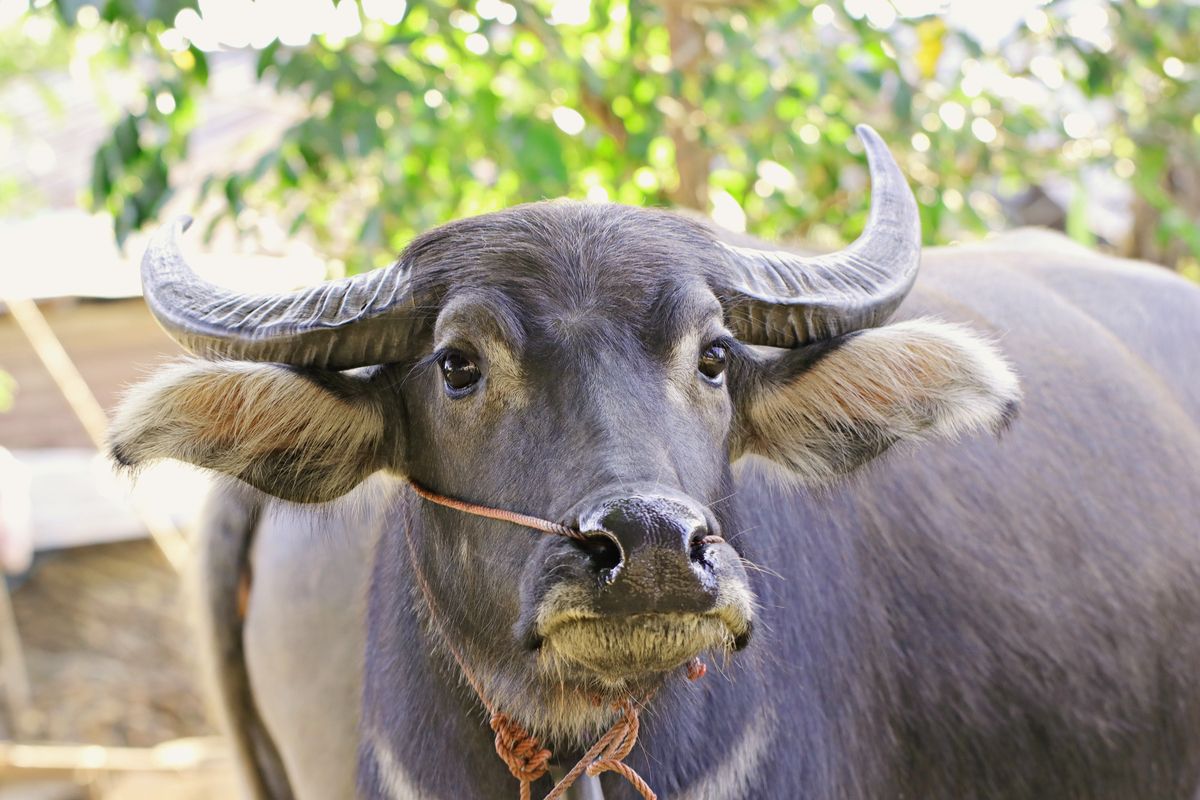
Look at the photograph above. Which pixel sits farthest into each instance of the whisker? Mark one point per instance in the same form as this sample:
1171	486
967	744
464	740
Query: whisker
742	531
748	564
726	497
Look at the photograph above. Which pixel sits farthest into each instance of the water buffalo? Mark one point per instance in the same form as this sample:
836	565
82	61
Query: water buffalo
1010	610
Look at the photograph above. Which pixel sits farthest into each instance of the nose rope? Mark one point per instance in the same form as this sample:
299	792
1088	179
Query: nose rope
524	520
520	750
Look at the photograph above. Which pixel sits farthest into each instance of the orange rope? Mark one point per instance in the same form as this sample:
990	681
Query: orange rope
522	752
527	760
607	755
524	520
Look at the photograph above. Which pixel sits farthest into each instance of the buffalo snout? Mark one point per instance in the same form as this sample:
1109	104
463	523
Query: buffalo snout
652	585
649	553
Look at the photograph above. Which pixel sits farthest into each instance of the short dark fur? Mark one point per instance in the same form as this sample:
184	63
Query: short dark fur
1015	618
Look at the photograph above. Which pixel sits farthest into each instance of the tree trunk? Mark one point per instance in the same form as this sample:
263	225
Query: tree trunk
688	52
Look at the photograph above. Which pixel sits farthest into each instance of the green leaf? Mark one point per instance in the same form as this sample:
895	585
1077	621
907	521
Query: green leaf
1077	221
126	139
101	176
200	70
266	59
233	193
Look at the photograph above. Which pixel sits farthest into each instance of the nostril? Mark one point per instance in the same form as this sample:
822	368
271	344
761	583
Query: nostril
699	538
603	549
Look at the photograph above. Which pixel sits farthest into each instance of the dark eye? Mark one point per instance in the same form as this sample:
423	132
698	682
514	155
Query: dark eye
712	361
459	372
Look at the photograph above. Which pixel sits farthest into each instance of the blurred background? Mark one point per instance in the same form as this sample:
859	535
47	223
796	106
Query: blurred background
314	138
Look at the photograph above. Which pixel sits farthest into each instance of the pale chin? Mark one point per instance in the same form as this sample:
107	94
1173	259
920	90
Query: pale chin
618	651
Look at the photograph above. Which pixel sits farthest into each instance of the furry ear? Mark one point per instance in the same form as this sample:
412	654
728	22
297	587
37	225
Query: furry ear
302	436
824	410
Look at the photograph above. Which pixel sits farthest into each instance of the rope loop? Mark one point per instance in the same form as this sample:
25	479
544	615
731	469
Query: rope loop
608	754
527	760
624	736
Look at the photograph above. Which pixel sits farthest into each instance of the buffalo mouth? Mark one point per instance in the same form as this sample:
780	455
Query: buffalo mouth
620	649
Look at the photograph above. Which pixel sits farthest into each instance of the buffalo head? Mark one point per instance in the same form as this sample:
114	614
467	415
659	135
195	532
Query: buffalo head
596	365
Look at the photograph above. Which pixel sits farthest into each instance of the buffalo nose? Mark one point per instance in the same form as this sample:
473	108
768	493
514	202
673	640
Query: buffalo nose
650	552
642	522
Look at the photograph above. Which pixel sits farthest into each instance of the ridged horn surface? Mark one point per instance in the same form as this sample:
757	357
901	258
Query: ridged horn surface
335	325
783	299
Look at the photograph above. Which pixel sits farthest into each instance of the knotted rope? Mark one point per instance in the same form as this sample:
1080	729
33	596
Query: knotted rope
527	760
608	754
521	751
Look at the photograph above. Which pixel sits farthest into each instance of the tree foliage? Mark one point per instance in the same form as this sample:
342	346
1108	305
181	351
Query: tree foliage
742	108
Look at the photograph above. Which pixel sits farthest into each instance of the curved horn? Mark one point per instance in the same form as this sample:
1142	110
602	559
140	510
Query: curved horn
335	325
784	300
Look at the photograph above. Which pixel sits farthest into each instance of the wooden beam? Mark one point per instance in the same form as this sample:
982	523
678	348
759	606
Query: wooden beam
89	412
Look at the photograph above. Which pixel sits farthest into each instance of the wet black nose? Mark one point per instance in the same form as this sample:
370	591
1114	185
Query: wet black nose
650	551
641	522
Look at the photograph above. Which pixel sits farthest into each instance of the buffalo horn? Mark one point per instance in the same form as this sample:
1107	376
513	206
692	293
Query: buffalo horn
339	324
782	299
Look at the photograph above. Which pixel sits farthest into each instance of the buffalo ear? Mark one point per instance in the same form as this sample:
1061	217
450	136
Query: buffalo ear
824	410
302	436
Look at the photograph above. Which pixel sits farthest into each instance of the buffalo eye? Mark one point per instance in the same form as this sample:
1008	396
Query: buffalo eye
712	362
458	372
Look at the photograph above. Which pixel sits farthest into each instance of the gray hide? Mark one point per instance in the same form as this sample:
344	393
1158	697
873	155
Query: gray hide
1090	499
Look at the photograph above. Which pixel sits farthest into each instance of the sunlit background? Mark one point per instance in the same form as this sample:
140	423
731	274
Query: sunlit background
312	138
